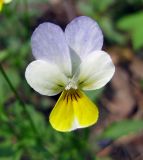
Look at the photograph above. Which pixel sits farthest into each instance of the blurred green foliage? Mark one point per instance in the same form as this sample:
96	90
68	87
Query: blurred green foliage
122	128
17	138
133	24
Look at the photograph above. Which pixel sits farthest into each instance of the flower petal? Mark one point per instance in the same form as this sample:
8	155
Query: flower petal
95	71
73	110
86	112
7	1
48	43
62	116
84	36
45	78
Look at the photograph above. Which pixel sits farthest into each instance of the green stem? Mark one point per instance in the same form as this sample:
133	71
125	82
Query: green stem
19	99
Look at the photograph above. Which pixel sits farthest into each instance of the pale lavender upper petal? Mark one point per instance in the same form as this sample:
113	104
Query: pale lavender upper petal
84	36
48	43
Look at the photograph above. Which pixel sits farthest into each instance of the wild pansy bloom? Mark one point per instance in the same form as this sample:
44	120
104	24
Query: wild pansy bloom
2	2
69	62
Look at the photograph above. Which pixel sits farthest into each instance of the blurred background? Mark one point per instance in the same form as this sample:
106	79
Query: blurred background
25	132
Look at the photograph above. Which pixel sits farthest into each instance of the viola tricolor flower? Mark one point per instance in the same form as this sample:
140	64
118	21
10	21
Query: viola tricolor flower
2	2
69	62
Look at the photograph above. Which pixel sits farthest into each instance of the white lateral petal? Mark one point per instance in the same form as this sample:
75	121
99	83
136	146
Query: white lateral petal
84	36
45	78
48	43
95	71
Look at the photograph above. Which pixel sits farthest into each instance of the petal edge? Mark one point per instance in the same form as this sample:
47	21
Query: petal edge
45	77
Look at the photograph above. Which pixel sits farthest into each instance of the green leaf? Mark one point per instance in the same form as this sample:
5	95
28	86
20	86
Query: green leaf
133	25
137	37
17	155
122	128
133	21
94	95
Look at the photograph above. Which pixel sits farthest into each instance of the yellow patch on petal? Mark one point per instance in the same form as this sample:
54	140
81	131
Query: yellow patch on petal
73	110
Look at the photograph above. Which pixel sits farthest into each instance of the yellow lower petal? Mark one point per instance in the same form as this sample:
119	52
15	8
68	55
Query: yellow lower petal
85	110
73	110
